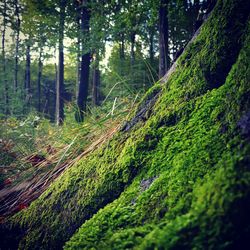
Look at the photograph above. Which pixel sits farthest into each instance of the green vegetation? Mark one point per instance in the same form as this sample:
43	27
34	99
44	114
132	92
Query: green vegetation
33	148
178	178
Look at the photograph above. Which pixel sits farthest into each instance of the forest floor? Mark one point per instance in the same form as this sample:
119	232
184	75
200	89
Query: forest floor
26	174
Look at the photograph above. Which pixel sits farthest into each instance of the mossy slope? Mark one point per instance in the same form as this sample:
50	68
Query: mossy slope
178	180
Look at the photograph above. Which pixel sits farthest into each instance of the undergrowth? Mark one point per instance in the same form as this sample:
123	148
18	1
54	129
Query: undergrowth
33	148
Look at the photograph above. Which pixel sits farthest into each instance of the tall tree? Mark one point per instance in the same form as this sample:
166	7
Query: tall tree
27	82
60	78
6	87
78	53
39	78
163	37
96	80
85	62
17	29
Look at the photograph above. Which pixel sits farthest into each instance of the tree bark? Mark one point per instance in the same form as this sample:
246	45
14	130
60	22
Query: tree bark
6	87
85	63
47	98
60	78
96	81
132	52
196	7
163	40
122	53
27	76
39	77
78	56
18	23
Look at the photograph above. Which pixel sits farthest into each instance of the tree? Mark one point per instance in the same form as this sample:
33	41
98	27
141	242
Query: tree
6	87
163	38
96	79
85	62
27	82
39	77
17	29
60	79
44	32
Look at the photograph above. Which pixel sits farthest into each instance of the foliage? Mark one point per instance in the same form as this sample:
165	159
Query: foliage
125	80
33	150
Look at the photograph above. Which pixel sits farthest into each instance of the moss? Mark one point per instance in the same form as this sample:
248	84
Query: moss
194	202
190	145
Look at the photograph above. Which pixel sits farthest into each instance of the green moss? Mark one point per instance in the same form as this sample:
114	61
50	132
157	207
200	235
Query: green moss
194	200
190	147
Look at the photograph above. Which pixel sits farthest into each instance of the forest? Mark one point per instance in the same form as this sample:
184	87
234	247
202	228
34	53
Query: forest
124	124
51	51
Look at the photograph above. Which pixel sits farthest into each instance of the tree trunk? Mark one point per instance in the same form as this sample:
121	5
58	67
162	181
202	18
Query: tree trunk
85	63
78	56
52	114
55	65
6	87
18	23
210	5
196	7
197	16
27	77
163	40
47	90
60	78
122	48
96	81
39	77
122	54
132	52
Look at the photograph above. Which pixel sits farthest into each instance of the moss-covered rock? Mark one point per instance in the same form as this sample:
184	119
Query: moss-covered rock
178	178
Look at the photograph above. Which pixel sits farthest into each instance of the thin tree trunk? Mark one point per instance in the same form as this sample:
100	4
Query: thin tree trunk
85	63
210	5
132	52
60	78
18	23
122	48
196	7
55	65
39	77
163	41
6	87
52	113
96	81
48	102
78	57
27	77
122	54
